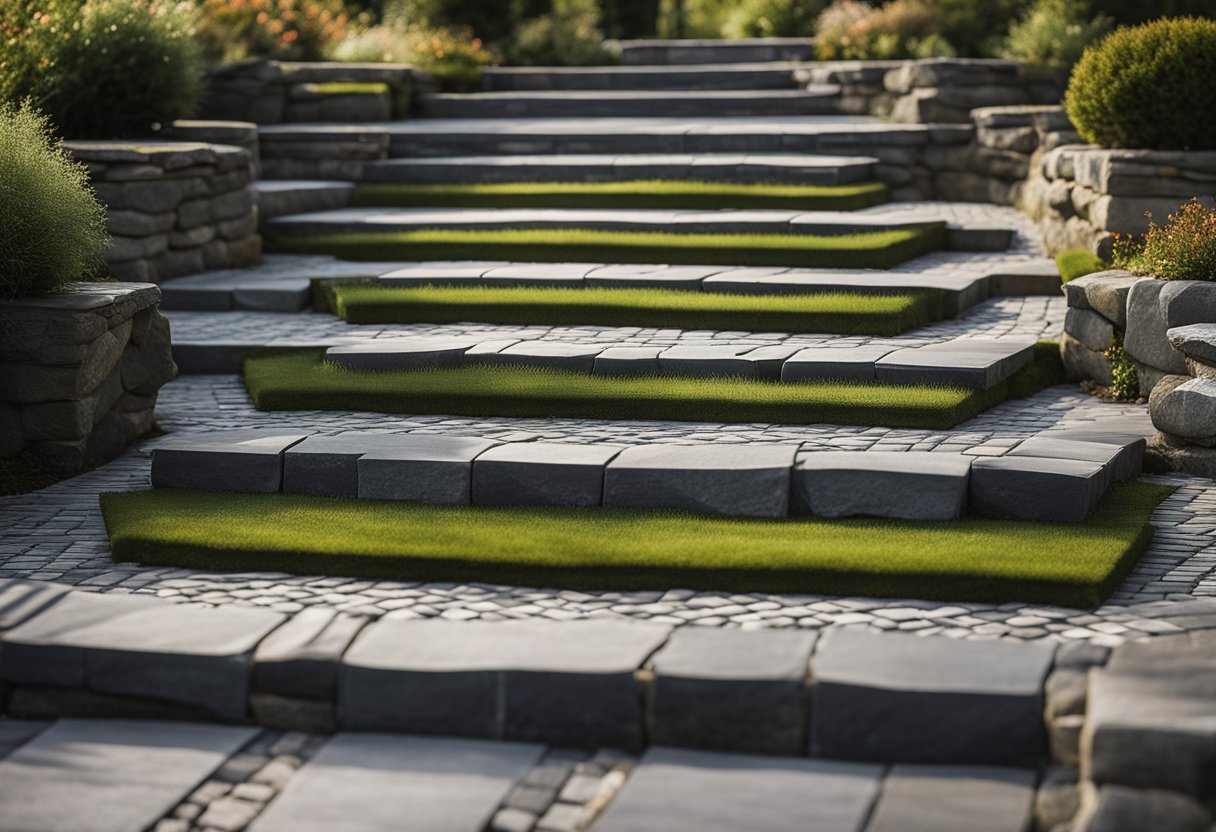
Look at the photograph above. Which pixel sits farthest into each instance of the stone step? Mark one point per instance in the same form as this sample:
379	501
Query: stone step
713	50
761	76
802	169
811	101
277	198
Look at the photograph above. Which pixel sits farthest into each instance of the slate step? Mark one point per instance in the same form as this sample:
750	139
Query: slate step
759	76
810	101
801	169
713	50
279	197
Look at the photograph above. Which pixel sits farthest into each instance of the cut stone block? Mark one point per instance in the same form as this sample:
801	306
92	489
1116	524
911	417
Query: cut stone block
539	274
1120	809
566	683
422	467
731	690
1196	341
692	791
21	600
1036	488
1122	459
904	698
964	362
916	486
551	354
542	474
1090	328
687	278
749	480
374	782
1145	339
231	460
955	799
769	360
327	466
1103	292
697	361
109	775
1132	441
1186	410
301	658
141	646
401	353
627	361
853	364
450	273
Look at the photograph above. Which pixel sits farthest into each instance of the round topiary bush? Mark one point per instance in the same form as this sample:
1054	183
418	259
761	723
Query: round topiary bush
52	229
1148	86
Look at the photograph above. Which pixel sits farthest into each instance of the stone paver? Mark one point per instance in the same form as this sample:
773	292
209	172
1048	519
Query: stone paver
881	484
954	799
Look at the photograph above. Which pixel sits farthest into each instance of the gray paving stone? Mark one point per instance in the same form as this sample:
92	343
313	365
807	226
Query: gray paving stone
852	364
1103	292
732	690
566	275
302	657
15	733
1123	461
141	646
687	278
919	798
977	363
888	697
374	782
565	683
627	361
701	361
550	354
542	474
449	273
401	353
328	466
21	600
425	468
1036	488
1128	464
247	460
749	480
676	790
1118	809
916	486
108	775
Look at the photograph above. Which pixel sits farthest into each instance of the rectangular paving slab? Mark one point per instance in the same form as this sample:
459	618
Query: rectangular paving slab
376	782
301	658
691	791
1122	461
109	775
426	468
904	698
914	486
976	363
1034	488
328	466
559	682
552	354
21	600
412	353
748	480
542	474
230	460
955	799
627	361
817	363
731	690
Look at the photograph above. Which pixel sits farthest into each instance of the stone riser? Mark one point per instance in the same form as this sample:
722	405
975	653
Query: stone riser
689	51
731	104
712	78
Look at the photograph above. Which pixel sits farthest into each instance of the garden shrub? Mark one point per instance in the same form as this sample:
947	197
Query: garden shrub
569	34
454	55
1184	248
772	18
1055	32
491	20
1127	12
304	30
104	69
850	30
1126	381
630	18
52	229
1148	86
976	28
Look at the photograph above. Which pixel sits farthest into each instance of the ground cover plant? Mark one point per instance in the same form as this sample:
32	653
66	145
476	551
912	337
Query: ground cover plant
301	379
675	194
1078	262
1183	248
977	559
875	250
838	313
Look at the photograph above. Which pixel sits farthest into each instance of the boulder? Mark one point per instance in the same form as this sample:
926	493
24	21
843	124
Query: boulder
1146	339
1186	408
1195	341
1082	363
1103	292
1090	328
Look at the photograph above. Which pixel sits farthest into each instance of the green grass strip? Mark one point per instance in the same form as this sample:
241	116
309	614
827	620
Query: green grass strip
975	559
301	379
872	250
840	313
649	193
350	88
1078	262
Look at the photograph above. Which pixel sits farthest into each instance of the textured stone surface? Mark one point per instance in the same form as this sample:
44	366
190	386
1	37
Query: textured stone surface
1145	339
1123	458
856	363
329	465
908	485
429	469
965	362
238	460
1090	328
401	353
1103	292
1035	488
954	799
542	473
1186	409
301	658
1197	341
1117	809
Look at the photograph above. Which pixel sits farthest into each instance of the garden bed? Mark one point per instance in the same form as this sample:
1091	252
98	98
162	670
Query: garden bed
976	559
301	379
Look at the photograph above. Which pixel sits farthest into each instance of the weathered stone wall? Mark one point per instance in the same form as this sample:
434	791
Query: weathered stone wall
174	208
326	152
80	371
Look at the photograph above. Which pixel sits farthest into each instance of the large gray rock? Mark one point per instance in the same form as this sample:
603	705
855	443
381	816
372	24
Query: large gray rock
1119	809
542	474
918	486
731	690
1091	329
141	646
1186	302
421	467
1145	339
692	791
1196	341
978	363
955	799
1103	292
328	466
301	658
854	363
374	782
1035	488
1083	364
750	480
230	460
562	683
109	775
903	698
1186	409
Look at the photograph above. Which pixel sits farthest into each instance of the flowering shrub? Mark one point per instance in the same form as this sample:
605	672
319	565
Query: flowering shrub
1182	249
305	30
453	54
850	30
1055	32
570	34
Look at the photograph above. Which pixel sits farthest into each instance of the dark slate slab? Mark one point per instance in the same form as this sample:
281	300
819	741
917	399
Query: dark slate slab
542	474
854	363
918	798
692	791
141	646
708	360
413	353
731	690
301	658
1036	488
230	460
555	355
376	782
1122	460
918	486
977	363
750	480
566	683
327	466
904	698
109	775
1133	442
425	468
